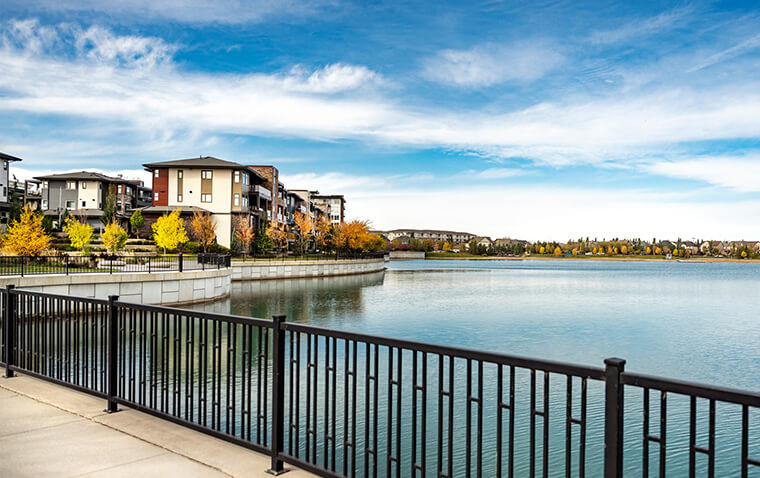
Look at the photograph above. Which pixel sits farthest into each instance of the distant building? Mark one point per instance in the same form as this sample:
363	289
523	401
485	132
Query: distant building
483	241
335	205
274	192
6	159
451	237
83	194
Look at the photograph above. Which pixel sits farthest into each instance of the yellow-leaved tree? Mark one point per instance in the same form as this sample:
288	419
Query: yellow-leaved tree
245	233
557	251
80	234
278	236
305	226
325	234
169	231
114	237
26	237
446	247
204	229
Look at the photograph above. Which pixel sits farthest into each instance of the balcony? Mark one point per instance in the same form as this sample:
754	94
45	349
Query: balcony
263	192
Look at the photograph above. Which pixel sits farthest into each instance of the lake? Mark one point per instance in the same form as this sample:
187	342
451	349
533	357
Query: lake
686	320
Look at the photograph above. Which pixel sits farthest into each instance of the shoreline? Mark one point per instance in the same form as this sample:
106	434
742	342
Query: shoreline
597	258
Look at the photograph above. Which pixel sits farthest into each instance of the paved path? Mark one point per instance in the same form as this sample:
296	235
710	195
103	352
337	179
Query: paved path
48	430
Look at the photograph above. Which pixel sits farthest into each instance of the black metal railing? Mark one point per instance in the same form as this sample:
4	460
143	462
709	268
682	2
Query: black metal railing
324	256
108	264
343	404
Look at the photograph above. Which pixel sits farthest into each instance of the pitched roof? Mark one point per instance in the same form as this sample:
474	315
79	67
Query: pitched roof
200	162
87	175
8	157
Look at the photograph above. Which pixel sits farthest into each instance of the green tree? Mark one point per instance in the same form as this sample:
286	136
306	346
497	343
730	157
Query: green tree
261	243
114	237
109	208
169	231
14	207
137	221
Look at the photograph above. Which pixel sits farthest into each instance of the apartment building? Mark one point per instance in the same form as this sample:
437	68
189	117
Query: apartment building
229	191
83	194
6	160
452	237
278	205
333	205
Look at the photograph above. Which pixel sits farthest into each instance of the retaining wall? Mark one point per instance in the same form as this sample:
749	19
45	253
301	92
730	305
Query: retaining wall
164	288
406	255
263	270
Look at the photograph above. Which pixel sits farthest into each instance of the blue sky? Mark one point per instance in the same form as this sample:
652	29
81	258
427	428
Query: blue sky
545	119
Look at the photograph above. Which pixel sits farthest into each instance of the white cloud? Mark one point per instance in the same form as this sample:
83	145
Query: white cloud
741	173
539	212
23	174
744	46
131	85
488	65
640	28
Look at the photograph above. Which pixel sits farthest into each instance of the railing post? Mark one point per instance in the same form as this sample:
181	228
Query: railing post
179	262
9	324
22	265
148	264
278	395
113	331
613	418
67	264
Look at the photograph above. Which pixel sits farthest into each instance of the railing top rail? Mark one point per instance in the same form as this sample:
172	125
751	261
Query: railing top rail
89	300
238	319
503	359
699	390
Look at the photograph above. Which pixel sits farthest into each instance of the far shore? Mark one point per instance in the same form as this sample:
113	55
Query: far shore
592	258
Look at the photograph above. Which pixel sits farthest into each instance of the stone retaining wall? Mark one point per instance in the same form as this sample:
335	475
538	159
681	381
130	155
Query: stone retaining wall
406	255
262	270
164	288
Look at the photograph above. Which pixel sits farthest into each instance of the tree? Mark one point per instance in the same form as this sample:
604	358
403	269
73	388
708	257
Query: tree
26	236
649	250
261	242
14	206
169	231
80	235
114	237
352	235
624	250
325	234
245	235
277	236
446	247
557	251
109	208
305	226
542	250
657	251
204	229
137	220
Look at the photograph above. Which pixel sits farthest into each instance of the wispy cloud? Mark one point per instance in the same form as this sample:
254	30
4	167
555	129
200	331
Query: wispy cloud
640	28
190	11
740	173
492	64
741	48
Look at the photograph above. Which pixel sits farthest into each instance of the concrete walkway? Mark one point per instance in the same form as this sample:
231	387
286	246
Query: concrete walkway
48	430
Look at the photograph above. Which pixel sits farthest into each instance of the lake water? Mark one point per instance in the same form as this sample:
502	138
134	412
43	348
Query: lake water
692	321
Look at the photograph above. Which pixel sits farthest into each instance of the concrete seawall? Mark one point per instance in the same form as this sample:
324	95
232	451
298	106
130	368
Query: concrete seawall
406	255
164	288
263	270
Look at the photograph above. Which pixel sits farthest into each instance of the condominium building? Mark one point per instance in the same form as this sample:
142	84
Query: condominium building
229	191
277	208
6	160
334	206
83	194
432	234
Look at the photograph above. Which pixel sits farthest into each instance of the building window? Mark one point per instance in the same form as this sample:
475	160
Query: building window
179	198
70	205
206	174
44	184
71	185
83	184
236	200
155	173
179	174
118	189
245	178
44	204
84	203
205	197
237	177
155	196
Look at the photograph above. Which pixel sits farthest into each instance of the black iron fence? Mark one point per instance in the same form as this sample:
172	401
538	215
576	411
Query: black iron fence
108	264
324	256
344	404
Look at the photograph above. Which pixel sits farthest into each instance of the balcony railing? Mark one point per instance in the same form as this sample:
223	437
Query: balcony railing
105	264
341	403
263	192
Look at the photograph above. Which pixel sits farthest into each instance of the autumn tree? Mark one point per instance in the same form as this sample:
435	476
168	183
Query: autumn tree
446	247
80	234
137	220
278	236
109	208
305	226
169	231
557	251
325	234
245	235
203	229
26	236
114	237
